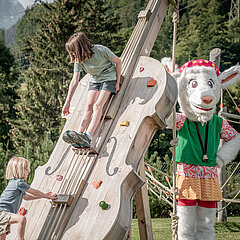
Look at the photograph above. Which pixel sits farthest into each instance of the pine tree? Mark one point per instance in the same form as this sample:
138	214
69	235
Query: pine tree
163	45
202	28
8	96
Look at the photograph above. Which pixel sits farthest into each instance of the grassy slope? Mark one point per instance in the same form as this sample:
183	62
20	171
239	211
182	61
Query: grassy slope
162	229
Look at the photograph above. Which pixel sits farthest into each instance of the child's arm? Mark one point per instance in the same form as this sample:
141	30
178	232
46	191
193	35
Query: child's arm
71	90
118	63
33	194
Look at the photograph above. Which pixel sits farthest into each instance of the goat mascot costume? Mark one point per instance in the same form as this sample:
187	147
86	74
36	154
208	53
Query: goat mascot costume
197	153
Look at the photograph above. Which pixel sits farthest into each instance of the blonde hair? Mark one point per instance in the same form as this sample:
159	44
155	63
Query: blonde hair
79	47
16	167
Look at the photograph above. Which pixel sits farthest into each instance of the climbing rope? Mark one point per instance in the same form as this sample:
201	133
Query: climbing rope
238	109
174	142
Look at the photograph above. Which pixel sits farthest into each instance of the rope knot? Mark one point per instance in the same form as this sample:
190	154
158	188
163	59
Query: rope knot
174	142
175	17
175	219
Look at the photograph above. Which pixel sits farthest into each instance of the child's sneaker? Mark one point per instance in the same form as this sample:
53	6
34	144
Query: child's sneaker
67	138
81	139
84	145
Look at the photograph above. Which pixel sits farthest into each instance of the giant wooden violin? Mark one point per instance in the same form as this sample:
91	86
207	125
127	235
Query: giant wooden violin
146	98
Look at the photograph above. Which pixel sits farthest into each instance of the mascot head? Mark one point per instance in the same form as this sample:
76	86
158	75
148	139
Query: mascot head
199	86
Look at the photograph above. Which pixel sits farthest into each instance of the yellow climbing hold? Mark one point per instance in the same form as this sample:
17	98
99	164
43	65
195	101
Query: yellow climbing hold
125	123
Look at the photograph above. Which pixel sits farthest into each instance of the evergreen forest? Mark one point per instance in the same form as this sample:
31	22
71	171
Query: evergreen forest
35	72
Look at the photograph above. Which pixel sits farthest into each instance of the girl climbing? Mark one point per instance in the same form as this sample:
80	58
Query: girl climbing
104	68
17	171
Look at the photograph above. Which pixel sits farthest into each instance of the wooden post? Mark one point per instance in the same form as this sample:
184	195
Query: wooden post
129	236
215	56
143	208
222	215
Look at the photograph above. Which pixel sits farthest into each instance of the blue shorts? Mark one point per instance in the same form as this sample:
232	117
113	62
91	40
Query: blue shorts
109	86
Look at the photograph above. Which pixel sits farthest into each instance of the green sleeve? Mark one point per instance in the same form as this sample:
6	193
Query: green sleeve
77	67
108	53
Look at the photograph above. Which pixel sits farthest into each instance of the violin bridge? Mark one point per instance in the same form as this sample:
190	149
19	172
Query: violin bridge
64	199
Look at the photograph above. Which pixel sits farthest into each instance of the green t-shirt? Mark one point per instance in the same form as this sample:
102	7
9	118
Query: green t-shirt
99	66
189	148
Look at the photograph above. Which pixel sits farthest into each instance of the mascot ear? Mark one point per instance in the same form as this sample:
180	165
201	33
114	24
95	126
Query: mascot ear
229	76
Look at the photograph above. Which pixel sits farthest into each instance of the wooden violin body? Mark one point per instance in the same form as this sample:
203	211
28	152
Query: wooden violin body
118	161
146	109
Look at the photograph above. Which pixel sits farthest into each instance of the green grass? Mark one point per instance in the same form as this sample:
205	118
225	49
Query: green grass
162	229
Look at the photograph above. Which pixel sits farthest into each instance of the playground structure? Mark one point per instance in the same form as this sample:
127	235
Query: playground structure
95	190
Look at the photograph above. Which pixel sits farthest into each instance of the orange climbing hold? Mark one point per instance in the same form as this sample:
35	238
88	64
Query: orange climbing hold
151	82
149	169
97	184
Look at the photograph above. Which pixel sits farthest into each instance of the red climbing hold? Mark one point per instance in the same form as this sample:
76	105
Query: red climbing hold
22	211
59	177
141	69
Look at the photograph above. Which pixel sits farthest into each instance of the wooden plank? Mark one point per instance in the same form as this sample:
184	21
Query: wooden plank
143	209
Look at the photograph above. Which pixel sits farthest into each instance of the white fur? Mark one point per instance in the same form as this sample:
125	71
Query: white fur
206	218
187	222
228	151
190	97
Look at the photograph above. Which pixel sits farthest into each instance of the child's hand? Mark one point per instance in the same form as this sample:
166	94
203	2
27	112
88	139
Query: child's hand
52	196
65	110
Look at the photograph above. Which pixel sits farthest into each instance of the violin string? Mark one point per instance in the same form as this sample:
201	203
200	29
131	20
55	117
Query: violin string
49	221
52	224
59	221
79	159
80	178
77	172
66	178
69	173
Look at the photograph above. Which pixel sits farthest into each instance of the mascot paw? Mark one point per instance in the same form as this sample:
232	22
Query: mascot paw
220	162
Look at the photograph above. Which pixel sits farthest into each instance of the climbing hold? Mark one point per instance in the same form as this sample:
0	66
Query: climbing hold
22	211
97	184
124	123
151	82
103	205
167	179
141	69
150	170
59	177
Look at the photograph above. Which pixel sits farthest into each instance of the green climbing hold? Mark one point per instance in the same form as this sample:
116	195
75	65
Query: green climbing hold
103	205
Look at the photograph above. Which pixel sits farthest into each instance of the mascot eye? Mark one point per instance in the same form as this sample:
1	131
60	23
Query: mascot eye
193	83
210	83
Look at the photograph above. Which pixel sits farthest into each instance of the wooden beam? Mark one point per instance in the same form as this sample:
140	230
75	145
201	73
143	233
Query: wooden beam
143	209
